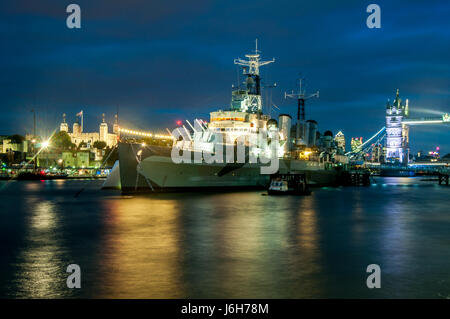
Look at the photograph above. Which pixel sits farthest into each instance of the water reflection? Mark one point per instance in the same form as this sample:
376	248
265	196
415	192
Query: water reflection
247	250
140	256
40	270
225	245
308	253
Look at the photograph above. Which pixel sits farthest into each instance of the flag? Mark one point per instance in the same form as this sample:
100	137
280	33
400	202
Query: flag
80	114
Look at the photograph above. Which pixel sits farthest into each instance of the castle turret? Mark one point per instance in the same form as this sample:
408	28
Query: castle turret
64	126
76	128
398	100
406	108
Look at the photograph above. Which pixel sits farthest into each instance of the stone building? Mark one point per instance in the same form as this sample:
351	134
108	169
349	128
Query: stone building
89	138
339	138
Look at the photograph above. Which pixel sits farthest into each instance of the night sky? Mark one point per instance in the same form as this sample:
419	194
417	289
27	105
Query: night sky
161	61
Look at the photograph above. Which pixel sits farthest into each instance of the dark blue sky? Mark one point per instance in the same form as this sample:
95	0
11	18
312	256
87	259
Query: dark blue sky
160	61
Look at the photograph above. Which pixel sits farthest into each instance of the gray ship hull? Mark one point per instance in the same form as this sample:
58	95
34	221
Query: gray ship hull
151	169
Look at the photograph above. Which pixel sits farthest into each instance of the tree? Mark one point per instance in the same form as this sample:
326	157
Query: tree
447	156
61	141
99	145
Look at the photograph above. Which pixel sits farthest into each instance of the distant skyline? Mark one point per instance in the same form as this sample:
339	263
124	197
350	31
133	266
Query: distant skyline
159	62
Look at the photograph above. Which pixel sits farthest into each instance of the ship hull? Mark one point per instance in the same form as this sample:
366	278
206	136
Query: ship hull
151	169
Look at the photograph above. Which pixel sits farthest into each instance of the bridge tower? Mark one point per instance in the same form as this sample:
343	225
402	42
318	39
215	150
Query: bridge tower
397	133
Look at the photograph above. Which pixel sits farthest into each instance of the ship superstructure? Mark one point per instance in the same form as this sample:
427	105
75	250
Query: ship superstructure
243	120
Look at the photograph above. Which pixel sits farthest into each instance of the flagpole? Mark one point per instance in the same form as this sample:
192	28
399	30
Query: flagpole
82	116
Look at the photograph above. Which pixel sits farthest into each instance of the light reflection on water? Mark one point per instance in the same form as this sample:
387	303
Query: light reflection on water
40	264
140	254
225	244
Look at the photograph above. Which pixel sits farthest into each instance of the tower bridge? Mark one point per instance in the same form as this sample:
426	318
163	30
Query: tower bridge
396	132
397	129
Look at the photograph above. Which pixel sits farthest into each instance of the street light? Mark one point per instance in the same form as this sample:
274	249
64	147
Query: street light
61	164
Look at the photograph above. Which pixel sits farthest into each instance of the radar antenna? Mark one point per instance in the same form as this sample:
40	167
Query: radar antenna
251	67
253	63
301	97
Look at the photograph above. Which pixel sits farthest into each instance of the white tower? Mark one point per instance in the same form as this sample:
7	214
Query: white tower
64	126
76	129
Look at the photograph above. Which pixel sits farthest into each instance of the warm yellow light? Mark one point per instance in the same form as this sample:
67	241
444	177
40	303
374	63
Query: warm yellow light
45	144
146	134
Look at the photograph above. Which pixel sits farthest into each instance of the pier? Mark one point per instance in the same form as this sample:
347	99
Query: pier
355	178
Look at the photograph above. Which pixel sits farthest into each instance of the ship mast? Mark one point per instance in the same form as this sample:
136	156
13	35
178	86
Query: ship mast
251	70
301	97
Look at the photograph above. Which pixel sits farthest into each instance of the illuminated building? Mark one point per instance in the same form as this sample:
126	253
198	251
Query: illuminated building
377	153
434	154
356	143
79	159
79	137
339	138
7	145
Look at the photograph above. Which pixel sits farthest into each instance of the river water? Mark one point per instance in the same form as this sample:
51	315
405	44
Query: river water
225	245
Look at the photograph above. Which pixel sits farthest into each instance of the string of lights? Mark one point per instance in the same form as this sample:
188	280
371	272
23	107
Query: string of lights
144	134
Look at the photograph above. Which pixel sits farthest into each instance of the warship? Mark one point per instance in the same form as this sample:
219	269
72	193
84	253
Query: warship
153	168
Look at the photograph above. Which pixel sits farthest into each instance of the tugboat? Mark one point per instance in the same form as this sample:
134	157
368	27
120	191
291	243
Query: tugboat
289	184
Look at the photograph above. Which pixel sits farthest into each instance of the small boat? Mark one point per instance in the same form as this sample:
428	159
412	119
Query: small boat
288	184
